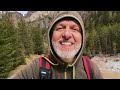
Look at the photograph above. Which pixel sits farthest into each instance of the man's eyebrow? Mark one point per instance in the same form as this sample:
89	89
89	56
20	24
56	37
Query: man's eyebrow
60	24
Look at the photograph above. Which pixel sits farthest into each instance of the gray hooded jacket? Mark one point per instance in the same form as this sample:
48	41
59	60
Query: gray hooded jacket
61	70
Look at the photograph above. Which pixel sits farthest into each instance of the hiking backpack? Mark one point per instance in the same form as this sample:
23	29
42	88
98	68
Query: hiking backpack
45	71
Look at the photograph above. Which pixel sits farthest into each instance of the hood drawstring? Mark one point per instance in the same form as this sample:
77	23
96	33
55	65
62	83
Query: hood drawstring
65	73
73	72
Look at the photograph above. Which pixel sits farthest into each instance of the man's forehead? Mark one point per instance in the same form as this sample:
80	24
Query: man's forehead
67	19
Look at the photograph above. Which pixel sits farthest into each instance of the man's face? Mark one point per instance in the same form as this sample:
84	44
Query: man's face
67	40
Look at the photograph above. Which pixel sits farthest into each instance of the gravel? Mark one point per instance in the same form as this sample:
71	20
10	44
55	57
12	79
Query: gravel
108	62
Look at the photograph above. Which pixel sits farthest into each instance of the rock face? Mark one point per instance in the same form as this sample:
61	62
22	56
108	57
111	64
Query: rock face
32	16
40	18
16	17
43	18
29	13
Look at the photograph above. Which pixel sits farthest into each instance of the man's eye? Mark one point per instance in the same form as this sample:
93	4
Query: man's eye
75	29
59	28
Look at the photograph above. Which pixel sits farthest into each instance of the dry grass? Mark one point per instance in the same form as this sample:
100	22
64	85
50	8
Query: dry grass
20	67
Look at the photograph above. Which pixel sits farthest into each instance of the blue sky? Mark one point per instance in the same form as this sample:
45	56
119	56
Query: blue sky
23	12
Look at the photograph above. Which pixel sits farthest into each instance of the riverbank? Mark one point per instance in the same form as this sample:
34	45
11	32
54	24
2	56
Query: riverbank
109	65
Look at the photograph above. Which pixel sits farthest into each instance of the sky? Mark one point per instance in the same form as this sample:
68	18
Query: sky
22	12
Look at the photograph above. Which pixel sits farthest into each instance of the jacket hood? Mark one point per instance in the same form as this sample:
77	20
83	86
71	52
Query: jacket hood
61	15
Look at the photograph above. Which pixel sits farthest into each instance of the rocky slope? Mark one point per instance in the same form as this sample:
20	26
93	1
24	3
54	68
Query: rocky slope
111	63
41	18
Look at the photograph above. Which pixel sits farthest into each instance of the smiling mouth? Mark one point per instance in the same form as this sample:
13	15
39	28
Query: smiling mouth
66	43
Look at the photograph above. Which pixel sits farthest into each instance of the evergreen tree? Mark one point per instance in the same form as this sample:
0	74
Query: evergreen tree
10	52
37	40
24	33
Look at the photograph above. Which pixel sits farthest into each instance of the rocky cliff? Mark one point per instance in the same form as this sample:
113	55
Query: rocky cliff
41	18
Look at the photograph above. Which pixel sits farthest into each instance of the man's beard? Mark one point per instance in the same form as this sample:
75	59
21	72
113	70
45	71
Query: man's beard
67	55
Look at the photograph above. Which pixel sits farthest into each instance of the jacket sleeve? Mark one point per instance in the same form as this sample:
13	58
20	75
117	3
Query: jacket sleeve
31	71
97	72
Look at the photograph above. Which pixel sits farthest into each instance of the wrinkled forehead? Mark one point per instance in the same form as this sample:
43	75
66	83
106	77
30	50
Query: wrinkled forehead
67	19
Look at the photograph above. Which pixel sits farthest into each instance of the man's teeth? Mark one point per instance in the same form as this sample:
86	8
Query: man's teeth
66	43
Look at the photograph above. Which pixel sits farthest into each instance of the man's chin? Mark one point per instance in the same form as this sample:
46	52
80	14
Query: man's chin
66	55
67	60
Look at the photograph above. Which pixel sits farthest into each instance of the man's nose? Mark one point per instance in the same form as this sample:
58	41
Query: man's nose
67	33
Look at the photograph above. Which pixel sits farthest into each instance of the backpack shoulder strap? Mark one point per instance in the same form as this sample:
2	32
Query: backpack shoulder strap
88	67
45	70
